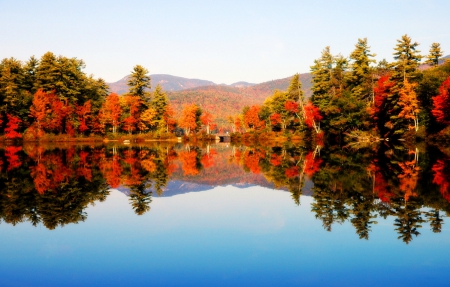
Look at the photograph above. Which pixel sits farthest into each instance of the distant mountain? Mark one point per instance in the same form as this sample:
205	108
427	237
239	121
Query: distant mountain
242	85
167	82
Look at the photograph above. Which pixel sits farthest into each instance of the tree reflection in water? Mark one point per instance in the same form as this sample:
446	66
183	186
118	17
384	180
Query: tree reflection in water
54	185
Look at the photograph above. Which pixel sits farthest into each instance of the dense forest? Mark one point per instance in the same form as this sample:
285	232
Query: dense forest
351	97
363	100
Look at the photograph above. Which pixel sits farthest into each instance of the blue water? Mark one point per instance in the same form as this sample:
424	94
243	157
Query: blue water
221	237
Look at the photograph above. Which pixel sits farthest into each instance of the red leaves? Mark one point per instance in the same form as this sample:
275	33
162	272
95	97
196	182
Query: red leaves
275	159
12	157
84	114
111	110
441	177
291	106
11	127
312	164
275	119
441	104
381	92
312	115
292	171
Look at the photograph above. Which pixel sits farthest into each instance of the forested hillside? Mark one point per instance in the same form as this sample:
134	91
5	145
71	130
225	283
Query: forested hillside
223	101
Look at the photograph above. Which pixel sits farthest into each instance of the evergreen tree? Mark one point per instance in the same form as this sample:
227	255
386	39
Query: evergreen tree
159	103
294	91
406	67
435	54
139	82
361	79
11	77
29	78
407	60
322	78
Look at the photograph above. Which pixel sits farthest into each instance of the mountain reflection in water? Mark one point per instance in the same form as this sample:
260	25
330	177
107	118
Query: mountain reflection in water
54	185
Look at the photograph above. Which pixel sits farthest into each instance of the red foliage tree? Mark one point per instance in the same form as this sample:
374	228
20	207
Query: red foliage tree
312	116
207	120
275	159
112	111
84	114
12	126
12	157
292	171
291	107
440	169
275	119
311	164
441	104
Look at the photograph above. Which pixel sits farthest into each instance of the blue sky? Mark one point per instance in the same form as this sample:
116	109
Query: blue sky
221	41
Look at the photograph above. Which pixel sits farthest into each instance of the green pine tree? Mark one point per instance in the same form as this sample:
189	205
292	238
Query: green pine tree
435	54
139	83
361	79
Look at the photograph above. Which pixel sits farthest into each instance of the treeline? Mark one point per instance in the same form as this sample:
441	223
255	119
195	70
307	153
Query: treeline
53	96
362	99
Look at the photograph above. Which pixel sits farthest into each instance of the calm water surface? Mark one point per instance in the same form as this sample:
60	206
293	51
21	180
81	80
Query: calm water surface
224	216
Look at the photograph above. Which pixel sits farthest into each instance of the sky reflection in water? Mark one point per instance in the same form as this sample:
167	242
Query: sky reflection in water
221	237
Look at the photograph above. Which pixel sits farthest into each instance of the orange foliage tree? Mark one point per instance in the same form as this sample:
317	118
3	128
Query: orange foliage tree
38	109
189	162
251	118
409	104
111	111
189	118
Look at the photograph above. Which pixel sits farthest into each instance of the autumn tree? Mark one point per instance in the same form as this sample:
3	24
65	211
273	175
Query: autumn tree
39	109
251	118
84	116
131	112
12	127
207	120
441	104
112	110
404	70
190	118
409	105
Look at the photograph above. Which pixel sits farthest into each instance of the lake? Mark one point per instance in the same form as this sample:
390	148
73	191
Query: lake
223	215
